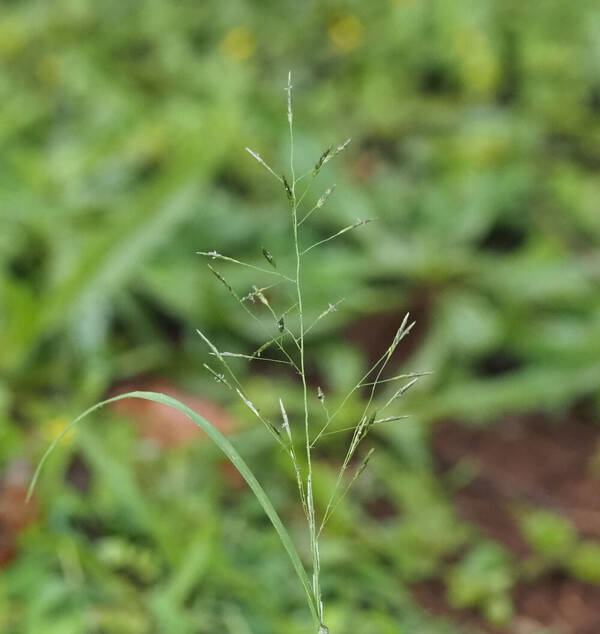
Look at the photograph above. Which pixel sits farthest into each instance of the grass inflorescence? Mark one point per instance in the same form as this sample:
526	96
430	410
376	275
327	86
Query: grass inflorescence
291	344
285	344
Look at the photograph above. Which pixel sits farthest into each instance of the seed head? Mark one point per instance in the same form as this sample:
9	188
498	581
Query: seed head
322	160
220	278
256	155
259	294
269	257
341	147
287	188
323	199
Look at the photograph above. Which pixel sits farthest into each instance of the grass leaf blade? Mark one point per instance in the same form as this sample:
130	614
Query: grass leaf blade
232	454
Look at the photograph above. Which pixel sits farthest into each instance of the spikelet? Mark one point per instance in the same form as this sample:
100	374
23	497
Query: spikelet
221	279
286	186
269	257
322	160
323	199
257	156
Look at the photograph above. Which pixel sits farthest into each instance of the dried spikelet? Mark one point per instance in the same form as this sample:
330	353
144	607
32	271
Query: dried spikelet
281	324
259	294
253	294
286	422
323	199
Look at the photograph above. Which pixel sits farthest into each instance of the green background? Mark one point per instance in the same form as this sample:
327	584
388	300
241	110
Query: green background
475	132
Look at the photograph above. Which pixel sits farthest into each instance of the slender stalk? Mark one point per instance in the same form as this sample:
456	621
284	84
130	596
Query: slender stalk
358	223
314	546
371	379
218	256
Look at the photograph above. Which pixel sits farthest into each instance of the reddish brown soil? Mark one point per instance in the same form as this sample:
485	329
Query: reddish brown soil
374	333
525	461
167	427
162	424
15	513
533	461
552	604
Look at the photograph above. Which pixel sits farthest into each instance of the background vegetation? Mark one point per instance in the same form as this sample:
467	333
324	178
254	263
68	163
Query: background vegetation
476	141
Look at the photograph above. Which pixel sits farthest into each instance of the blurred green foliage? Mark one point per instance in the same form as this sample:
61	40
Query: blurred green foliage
551	536
483	578
476	142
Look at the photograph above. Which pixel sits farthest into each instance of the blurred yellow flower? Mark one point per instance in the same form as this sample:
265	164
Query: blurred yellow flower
479	66
55	426
238	44
346	33
12	38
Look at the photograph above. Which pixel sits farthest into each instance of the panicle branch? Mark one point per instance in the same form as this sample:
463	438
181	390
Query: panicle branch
259	158
358	223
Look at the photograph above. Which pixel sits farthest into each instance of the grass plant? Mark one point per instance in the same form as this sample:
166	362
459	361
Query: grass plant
286	334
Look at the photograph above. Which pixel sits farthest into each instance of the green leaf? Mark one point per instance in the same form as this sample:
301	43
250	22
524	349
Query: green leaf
103	267
229	450
552	536
482	578
585	562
